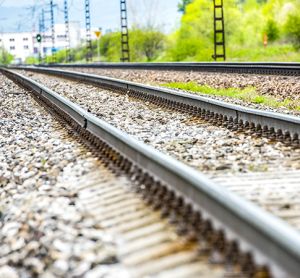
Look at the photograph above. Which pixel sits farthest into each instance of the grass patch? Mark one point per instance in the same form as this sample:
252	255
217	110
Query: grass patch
248	94
274	52
258	168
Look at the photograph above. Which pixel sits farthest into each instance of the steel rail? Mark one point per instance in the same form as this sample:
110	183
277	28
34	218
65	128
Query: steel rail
292	69
270	239
284	126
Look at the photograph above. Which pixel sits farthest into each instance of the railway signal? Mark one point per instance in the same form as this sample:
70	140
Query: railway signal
38	38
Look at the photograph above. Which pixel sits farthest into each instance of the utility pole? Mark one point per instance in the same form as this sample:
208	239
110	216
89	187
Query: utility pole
124	32
43	31
67	30
89	54
43	21
219	31
52	32
40	43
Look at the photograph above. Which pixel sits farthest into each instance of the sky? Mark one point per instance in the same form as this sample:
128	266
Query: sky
22	15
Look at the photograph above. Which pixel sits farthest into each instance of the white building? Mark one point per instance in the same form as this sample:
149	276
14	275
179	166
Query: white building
23	45
20	45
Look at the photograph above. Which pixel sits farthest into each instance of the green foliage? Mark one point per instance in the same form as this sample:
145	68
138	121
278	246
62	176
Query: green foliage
204	89
31	60
292	29
246	22
276	52
60	56
110	47
146	44
5	57
77	54
182	5
272	30
195	35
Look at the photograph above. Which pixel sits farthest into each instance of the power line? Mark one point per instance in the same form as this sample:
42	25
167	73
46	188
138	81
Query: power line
74	6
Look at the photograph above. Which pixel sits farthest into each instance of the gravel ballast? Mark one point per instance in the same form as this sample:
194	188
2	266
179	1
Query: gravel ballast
63	214
206	147
221	154
44	229
279	87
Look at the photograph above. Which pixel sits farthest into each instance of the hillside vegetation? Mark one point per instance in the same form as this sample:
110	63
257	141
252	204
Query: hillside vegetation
246	22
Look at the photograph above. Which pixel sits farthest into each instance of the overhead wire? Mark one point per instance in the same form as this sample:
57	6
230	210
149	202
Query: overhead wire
74	6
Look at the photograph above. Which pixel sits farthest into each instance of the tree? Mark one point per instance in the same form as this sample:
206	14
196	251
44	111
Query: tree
110	47
272	30
182	5
146	44
31	60
153	44
292	29
5	57
194	39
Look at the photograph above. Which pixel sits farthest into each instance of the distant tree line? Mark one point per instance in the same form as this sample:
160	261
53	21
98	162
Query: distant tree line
146	44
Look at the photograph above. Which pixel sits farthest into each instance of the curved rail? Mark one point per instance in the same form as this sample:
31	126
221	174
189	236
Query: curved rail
292	69
270	240
274	125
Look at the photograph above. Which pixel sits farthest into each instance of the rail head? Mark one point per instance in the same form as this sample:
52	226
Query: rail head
273	68
271	240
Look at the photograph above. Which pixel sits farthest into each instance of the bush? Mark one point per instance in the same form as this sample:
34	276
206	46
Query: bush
31	60
272	30
5	57
292	29
146	44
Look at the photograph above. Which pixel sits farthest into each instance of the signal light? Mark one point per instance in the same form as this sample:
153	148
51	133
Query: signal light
38	38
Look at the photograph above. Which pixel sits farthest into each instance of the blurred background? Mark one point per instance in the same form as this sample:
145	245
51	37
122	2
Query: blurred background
169	30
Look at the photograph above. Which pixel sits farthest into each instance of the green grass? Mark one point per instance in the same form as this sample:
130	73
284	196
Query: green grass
272	53
248	94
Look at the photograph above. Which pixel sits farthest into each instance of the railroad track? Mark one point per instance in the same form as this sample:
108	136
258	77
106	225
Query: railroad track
229	217
291	69
276	126
280	195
